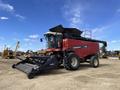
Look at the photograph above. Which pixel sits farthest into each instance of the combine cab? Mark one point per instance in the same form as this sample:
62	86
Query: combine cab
65	46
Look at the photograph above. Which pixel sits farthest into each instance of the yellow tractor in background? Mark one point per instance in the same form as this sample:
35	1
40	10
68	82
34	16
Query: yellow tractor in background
10	54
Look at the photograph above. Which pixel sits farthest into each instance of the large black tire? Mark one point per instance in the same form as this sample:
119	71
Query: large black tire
59	64
72	62
94	61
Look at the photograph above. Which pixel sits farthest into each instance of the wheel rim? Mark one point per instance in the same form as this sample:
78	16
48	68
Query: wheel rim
95	62
74	61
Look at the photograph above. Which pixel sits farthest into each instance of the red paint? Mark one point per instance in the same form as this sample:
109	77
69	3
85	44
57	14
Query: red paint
88	48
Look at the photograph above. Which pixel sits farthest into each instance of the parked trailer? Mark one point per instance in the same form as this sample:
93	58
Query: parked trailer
65	46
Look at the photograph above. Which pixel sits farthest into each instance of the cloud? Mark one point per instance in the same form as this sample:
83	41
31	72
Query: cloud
27	39
99	29
115	41
72	13
6	7
9	8
75	18
4	18
28	44
99	32
20	16
34	36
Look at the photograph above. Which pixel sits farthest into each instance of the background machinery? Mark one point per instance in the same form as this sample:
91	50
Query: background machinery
9	54
115	53
65	46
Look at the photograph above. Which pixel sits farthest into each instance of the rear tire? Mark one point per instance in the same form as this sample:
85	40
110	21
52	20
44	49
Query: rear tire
72	62
94	61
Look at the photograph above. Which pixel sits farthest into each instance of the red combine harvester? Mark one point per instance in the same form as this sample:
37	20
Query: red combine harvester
66	46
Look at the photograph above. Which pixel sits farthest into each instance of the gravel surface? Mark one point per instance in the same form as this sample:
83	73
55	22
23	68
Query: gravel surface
106	77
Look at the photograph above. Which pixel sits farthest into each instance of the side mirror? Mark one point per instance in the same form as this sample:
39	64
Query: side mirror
41	40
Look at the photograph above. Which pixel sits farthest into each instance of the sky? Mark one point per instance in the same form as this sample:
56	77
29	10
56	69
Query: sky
27	20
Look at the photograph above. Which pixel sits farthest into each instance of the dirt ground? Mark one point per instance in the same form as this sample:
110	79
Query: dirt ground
106	77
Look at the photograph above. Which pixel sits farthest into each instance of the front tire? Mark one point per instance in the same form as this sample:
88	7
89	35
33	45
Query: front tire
94	61
72	62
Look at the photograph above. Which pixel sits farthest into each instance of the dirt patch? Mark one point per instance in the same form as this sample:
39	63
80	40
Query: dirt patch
84	79
106	77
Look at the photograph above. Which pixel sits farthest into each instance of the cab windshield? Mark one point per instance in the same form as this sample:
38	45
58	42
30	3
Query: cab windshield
53	41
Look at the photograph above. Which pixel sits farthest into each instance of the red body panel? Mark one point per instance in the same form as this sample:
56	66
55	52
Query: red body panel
80	47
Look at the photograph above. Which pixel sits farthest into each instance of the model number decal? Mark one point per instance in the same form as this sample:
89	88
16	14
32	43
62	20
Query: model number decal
76	47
